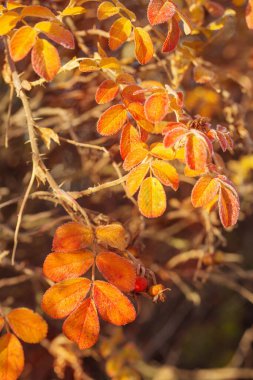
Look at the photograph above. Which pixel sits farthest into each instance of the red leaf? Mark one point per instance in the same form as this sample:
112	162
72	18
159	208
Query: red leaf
228	207
172	38
160	11
129	140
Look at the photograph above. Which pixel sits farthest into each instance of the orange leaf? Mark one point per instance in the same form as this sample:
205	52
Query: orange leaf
151	198
196	153
134	158
73	11
158	150
45	59
8	21
56	33
22	42
160	11
82	325
156	107
106	92
132	94
72	236
113	235
129	140
137	111
106	10
117	270
119	32
88	65
2	323
172	38
135	178
112	120
112	305
61	266
204	191
61	299
249	14
27	325
144	49
228	207
125	78
174	135
166	173
11	357
37	11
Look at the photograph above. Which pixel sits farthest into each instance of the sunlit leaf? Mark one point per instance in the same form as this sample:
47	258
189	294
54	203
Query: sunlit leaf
61	266
110	63
166	173
106	10
2	323
119	32
56	33
72	236
112	120
160	11
228	207
132	93
113	235
249	14
129	140
82	325
11	357
174	135
73	11
204	191
27	325
117	270
144	49
22	42
137	111
172	37
158	150
45	59
88	65
106	92
134	158
156	107
196	153
8	21
37	11
135	178
151	198
61	299
112	305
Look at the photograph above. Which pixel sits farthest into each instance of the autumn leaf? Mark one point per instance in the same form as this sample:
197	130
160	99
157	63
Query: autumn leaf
166	173
117	270
119	32
62	266
156	107
73	11
134	158
228	207
204	191
151	198
48	135
106	10
88	65
37	11
137	111
11	357
106	92
249	14
113	235
172	37
196	153
82	325
22	42
56	33
8	21
173	135
158	150
144	49
135	178
2	323
61	299
129	140
131	94
27	325
112	120
72	236
45	59
113	306
160	11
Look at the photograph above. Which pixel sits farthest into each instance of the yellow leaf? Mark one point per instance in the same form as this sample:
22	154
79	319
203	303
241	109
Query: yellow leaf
151	198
